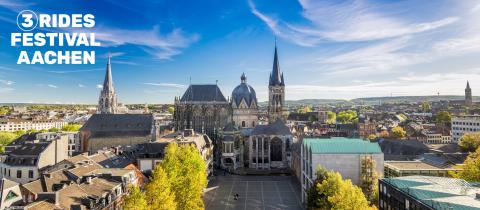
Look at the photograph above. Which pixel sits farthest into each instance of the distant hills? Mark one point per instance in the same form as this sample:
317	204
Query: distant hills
316	102
375	100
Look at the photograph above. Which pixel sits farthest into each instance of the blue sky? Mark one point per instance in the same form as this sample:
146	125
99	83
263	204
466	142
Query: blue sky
327	49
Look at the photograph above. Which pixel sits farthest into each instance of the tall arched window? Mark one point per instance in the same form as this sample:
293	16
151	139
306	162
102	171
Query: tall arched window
243	123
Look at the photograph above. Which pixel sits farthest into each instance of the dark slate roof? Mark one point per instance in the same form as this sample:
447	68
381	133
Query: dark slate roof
26	155
230	127
244	91
30	149
101	125
151	148
203	93
276	128
276	77
24	138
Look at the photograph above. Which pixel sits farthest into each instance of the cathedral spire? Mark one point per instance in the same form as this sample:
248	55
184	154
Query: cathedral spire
276	77
108	82
107	102
468	86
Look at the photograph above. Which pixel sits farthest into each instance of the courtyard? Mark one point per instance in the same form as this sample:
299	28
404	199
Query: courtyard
254	192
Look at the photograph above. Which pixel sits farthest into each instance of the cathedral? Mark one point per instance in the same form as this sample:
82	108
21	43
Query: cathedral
244	143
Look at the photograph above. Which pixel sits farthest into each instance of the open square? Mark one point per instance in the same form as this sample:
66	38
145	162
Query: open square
254	192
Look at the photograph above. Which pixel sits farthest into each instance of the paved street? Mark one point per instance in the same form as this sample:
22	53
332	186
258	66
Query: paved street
255	192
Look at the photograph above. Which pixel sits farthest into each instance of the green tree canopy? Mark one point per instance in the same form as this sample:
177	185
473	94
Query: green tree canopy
425	106
305	109
398	133
330	191
53	130
470	169
372	137
158	193
72	127
348	116
443	117
187	175
6	138
469	142
135	200
332	117
171	109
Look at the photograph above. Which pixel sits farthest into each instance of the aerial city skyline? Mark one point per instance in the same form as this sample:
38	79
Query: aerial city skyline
325	55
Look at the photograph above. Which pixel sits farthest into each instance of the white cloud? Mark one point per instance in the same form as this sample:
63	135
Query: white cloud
353	20
99	86
171	85
7	82
161	46
81	86
52	86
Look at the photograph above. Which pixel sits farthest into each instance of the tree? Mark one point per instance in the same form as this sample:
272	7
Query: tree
53	130
5	139
371	137
158	192
425	106
348	116
135	200
443	120
332	192
72	127
171	109
187	175
470	170
398	133
369	179
443	117
469	142
305	109
384	134
332	117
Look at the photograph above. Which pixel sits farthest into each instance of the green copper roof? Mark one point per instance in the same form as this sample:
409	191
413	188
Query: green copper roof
340	145
438	192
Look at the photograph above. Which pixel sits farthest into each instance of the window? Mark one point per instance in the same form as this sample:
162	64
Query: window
30	174
19	174
253	123
243	123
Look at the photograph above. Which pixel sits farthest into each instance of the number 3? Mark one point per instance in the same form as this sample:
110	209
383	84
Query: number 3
28	20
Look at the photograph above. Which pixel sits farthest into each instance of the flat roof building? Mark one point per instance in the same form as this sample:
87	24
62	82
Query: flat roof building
426	192
343	155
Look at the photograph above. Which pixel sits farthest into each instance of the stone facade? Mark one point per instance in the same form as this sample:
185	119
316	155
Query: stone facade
276	92
202	108
244	105
468	95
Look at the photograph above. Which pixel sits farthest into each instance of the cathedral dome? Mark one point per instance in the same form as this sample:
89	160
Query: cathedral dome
244	92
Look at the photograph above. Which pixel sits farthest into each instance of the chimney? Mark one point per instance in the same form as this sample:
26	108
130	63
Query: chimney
89	179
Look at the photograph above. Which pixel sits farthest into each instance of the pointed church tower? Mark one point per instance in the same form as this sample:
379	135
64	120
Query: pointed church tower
276	91
107	102
468	95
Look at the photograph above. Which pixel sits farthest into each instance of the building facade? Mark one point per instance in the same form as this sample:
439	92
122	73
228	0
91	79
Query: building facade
342	155
104	131
24	163
464	124
202	108
12	125
244	105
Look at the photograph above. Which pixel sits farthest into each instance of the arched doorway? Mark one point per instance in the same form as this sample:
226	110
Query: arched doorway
276	149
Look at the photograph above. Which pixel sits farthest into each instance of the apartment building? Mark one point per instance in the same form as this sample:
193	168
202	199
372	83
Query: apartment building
12	125
464	124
